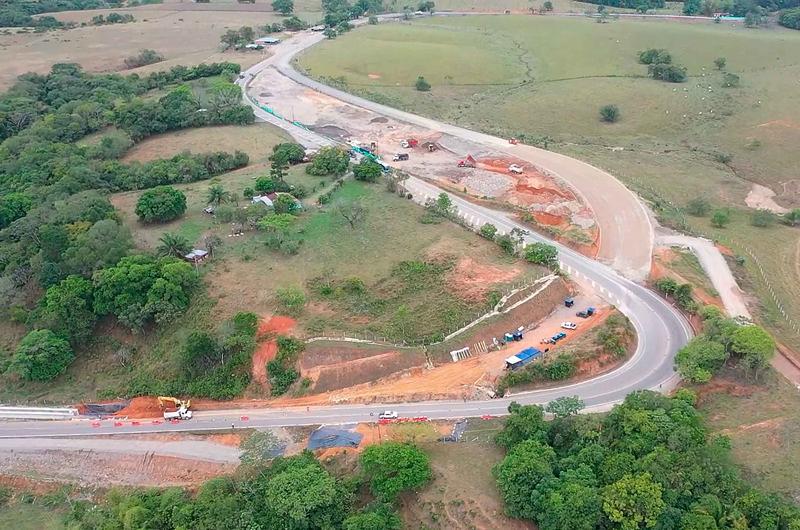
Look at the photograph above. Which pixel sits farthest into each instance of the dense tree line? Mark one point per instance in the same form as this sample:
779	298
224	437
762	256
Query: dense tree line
723	338
35	95
790	18
55	219
137	291
18	13
60	239
338	12
631	4
294	493
650	463
111	18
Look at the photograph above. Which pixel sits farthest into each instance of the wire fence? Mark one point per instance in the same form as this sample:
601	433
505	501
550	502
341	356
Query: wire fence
727	241
371	337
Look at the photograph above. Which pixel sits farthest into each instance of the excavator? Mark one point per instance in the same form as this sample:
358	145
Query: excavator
182	412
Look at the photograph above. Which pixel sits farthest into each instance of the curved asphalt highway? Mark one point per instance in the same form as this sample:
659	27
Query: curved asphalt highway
660	329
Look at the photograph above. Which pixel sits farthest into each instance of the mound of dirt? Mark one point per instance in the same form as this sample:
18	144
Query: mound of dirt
141	407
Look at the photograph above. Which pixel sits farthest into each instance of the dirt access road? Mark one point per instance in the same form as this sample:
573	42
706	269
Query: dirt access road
626	234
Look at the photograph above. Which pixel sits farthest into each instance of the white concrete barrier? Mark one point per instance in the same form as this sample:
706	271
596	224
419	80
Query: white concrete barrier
37	413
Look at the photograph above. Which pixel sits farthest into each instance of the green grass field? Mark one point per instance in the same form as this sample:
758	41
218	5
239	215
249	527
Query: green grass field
762	422
29	517
245	275
548	76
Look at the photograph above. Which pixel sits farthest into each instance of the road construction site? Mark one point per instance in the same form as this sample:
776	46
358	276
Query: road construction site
578	197
435	156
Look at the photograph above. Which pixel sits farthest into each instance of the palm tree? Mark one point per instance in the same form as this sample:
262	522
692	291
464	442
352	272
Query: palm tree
217	194
173	245
212	241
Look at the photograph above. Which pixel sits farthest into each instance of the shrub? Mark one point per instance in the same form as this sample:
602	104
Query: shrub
281	369
290	152
720	218
42	356
762	218
291	299
730	80
655	56
160	204
143	58
542	254
609	113
367	170
488	231
329	161
507	243
246	323
294	24
394	467
422	85
5	495
284	7
668	72
698	207
723	158
720	62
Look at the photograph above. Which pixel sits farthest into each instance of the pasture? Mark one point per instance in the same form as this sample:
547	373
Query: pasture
547	77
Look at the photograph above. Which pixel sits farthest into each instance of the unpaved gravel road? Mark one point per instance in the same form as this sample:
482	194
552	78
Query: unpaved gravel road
715	267
626	234
189	449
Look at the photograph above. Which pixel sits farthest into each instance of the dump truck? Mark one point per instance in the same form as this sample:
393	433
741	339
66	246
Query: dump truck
522	358
467	162
586	313
182	411
180	414
410	143
399	157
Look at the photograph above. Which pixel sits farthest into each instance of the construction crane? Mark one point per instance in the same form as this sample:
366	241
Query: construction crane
182	412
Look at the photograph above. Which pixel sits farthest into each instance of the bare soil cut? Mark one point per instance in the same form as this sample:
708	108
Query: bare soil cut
267	350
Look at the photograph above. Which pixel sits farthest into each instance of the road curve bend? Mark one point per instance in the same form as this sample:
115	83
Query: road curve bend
625	227
661	330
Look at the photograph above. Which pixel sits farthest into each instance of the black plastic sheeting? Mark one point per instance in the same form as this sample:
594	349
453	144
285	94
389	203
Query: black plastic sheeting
341	436
458	431
105	408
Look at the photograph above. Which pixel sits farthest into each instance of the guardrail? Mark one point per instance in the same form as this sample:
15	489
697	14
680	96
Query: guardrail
37	413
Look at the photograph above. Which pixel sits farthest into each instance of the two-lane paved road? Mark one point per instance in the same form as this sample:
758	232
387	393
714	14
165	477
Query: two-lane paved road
660	329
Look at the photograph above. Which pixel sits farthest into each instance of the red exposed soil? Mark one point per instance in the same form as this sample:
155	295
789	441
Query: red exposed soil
471	280
334	366
28	485
548	219
660	269
723	386
725	250
267	350
597	365
141	407
347	374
